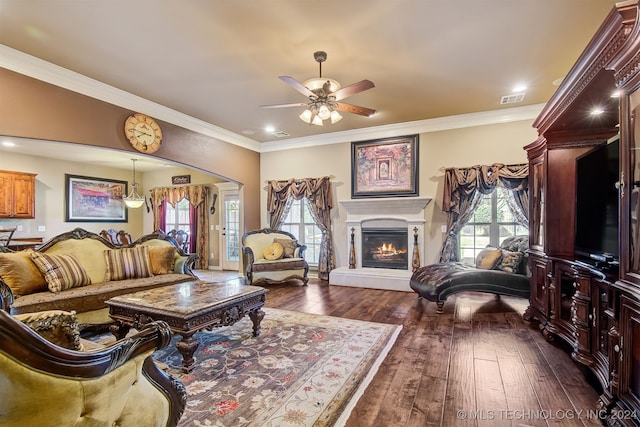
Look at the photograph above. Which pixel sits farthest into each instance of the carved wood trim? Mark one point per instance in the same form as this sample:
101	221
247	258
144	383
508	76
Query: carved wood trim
596	58
170	386
20	342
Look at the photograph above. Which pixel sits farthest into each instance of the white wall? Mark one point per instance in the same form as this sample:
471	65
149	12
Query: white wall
499	143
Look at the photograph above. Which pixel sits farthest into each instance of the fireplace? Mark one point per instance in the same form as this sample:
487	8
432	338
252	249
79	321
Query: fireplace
380	215
384	248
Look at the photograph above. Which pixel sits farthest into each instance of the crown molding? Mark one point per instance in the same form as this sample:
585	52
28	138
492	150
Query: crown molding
529	112
37	68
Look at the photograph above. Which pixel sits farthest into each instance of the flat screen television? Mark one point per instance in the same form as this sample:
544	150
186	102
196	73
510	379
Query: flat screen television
597	175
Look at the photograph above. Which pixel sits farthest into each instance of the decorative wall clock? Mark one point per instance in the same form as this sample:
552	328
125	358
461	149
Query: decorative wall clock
143	133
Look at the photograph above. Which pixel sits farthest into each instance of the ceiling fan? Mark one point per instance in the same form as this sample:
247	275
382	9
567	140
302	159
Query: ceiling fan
324	96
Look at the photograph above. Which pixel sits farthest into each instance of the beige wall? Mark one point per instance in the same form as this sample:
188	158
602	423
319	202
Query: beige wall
500	143
50	196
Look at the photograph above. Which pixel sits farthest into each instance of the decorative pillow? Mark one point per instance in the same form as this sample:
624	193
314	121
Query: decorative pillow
273	251
20	273
61	271
288	245
488	258
128	263
162	259
56	326
510	261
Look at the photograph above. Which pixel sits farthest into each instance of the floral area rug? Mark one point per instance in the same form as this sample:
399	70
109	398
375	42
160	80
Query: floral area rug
303	370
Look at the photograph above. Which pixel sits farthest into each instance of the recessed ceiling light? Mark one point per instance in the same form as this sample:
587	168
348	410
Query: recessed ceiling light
519	88
616	94
557	82
8	144
269	129
596	111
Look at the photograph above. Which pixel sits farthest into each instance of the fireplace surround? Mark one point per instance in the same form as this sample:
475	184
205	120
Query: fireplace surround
381	214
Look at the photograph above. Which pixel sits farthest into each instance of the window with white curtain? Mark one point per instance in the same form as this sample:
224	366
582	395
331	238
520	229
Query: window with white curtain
177	218
491	223
300	223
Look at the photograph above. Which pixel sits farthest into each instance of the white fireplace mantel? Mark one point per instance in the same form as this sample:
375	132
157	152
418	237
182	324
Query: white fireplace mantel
397	206
397	211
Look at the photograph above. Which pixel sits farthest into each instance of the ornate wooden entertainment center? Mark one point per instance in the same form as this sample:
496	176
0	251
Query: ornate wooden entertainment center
594	307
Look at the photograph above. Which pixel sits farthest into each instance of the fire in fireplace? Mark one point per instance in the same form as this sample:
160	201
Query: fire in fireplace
385	248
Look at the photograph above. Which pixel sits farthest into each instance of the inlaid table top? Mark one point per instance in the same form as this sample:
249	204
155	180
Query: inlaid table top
187	308
187	298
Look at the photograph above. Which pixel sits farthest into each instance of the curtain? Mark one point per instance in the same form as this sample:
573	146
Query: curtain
198	196
280	195
463	189
159	216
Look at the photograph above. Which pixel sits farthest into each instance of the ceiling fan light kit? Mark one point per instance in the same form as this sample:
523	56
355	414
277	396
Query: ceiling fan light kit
324	97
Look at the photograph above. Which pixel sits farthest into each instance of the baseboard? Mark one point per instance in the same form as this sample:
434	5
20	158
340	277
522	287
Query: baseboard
372	278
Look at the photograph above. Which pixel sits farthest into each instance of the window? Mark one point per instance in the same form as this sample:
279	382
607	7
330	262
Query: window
177	218
300	223
232	227
491	223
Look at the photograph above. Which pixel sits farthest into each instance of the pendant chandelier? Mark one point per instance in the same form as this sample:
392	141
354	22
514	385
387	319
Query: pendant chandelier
134	200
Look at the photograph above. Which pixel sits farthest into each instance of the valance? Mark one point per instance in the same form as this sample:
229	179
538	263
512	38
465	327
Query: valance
459	182
196	194
316	190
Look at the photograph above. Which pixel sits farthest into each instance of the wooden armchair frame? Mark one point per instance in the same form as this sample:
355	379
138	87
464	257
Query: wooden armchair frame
24	345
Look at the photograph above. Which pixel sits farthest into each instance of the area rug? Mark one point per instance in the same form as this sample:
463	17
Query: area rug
303	370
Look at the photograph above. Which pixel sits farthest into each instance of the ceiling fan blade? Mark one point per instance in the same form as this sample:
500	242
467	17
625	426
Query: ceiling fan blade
353	89
355	109
297	85
295	104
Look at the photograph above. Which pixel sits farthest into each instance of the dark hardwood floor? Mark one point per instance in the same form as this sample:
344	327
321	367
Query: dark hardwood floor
477	364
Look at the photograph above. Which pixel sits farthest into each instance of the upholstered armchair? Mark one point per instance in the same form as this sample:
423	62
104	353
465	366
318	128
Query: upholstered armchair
273	256
50	378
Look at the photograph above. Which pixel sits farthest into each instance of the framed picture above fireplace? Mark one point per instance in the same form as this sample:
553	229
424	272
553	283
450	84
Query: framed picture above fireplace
385	167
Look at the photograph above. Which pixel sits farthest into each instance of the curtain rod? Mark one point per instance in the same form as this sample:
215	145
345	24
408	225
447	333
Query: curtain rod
444	169
296	179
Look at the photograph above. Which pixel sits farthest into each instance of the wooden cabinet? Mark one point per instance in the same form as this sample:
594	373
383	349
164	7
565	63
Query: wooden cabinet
593	307
539	299
627	407
17	194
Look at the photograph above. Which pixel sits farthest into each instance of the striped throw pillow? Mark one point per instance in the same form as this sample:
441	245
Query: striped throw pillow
128	263
61	271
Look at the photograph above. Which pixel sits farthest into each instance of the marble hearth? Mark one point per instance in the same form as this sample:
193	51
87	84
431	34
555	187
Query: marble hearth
390	212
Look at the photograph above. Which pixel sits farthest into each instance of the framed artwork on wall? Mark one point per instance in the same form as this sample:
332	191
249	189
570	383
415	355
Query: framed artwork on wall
89	199
385	167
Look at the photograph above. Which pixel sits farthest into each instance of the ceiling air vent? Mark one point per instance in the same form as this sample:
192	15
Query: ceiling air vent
280	134
510	99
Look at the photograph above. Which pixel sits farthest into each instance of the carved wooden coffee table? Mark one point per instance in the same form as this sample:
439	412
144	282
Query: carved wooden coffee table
187	308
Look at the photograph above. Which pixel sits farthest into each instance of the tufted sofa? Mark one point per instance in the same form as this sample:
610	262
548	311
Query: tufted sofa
273	256
501	271
51	380
79	270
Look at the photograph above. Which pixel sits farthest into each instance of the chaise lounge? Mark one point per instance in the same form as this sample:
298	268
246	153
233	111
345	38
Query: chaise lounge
501	271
